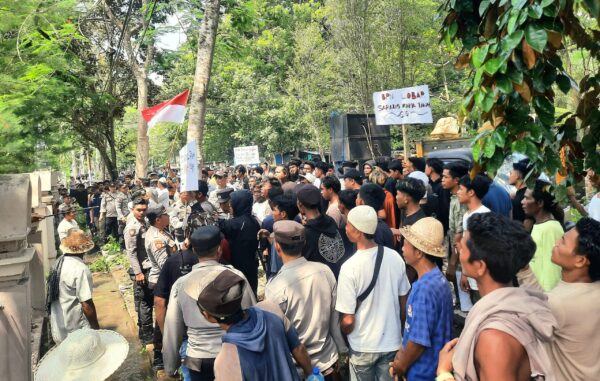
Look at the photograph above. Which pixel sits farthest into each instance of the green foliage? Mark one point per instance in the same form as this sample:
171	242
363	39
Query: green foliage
517	51
111	257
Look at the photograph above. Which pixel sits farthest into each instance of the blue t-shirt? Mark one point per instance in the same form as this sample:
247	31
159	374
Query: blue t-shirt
498	200
429	317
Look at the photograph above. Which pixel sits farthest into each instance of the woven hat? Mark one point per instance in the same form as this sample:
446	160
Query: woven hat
76	242
86	354
427	235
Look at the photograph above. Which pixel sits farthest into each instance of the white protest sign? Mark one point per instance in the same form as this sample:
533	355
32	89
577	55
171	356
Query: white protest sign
246	155
403	106
188	164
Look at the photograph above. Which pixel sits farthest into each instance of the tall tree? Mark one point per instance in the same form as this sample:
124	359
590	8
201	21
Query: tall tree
135	27
206	46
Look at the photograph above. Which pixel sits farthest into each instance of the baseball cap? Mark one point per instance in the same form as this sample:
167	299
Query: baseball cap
309	195
288	232
222	297
206	238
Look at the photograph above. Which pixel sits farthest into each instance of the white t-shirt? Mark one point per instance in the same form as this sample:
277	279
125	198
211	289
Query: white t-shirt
466	216
377	322
64	226
481	209
76	285
593	207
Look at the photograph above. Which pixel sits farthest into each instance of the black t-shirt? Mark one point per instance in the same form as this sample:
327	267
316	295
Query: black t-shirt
518	214
175	267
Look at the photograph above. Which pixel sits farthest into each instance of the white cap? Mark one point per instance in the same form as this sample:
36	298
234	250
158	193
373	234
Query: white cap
162	180
420	176
310	177
363	218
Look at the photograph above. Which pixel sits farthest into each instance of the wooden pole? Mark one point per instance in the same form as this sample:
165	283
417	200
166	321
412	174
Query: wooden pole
405	138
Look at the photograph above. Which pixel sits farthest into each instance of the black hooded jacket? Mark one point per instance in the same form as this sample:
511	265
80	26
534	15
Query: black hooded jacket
240	232
324	243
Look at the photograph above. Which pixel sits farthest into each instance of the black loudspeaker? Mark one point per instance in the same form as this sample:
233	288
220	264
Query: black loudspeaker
349	137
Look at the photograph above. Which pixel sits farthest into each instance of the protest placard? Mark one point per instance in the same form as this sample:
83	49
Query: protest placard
403	106
246	155
188	162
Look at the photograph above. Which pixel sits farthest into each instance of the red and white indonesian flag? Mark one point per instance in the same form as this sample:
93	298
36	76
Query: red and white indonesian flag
172	111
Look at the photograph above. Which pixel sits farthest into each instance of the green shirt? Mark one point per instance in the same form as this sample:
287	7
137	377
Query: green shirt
545	236
455	219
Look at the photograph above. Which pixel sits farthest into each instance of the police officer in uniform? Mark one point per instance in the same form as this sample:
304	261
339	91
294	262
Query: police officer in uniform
108	211
135	232
183	317
223	197
179	214
122	202
159	246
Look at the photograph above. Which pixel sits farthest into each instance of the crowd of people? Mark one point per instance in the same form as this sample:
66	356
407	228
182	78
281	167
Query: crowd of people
366	269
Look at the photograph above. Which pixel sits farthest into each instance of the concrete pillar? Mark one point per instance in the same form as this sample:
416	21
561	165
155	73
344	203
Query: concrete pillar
15	294
36	266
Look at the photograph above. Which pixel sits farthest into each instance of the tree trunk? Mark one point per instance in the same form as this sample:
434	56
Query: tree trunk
206	43
143	145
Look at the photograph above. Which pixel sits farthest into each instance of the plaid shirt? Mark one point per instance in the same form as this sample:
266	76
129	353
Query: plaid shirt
429	316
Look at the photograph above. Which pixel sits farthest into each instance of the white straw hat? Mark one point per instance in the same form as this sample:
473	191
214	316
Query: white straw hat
85	355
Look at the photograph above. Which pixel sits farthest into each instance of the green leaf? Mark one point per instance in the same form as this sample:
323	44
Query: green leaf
519	146
492	165
518	4
512	41
478	77
492	66
539	85
588	142
478	55
504	84
477	150
551	10
512	21
515	75
593	7
489	147
499	136
535	11
452	30
544	110
531	150
536	37
483	6
488	102
545	3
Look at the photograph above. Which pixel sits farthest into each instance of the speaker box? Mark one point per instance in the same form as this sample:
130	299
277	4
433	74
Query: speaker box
349	137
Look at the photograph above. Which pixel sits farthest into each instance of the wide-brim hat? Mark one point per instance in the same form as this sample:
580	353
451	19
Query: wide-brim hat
76	242
427	235
85	355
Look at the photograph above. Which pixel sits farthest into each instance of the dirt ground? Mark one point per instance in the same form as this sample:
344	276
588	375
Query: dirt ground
113	315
